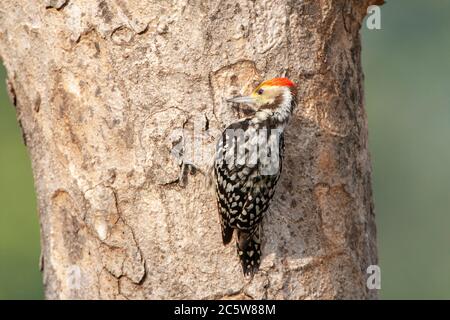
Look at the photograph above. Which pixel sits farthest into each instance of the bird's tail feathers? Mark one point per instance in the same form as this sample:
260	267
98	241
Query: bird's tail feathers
249	251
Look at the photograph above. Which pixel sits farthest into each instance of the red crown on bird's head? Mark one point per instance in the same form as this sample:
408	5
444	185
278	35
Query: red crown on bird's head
284	82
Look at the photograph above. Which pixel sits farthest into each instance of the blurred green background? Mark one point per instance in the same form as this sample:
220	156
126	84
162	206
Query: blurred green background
20	277
407	87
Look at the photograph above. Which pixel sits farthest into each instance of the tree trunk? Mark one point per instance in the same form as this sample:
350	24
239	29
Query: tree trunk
107	93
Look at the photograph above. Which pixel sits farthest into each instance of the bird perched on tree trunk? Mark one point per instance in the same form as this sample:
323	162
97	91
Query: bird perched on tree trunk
248	163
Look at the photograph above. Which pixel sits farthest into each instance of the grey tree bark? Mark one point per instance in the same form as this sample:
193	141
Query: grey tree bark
103	90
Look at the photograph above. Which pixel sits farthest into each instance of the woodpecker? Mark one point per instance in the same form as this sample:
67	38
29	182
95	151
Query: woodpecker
247	166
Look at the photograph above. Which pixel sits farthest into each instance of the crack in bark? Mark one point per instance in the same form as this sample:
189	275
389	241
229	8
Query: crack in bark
136	244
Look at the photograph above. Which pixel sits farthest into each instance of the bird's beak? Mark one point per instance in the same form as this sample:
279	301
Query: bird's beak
246	99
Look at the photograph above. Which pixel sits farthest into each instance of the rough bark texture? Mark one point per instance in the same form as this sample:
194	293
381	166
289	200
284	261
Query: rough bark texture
100	88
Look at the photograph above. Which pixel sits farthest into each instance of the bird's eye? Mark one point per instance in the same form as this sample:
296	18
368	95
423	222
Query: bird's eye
260	91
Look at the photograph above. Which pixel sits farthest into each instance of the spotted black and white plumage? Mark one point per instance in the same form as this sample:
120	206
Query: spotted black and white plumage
247	168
